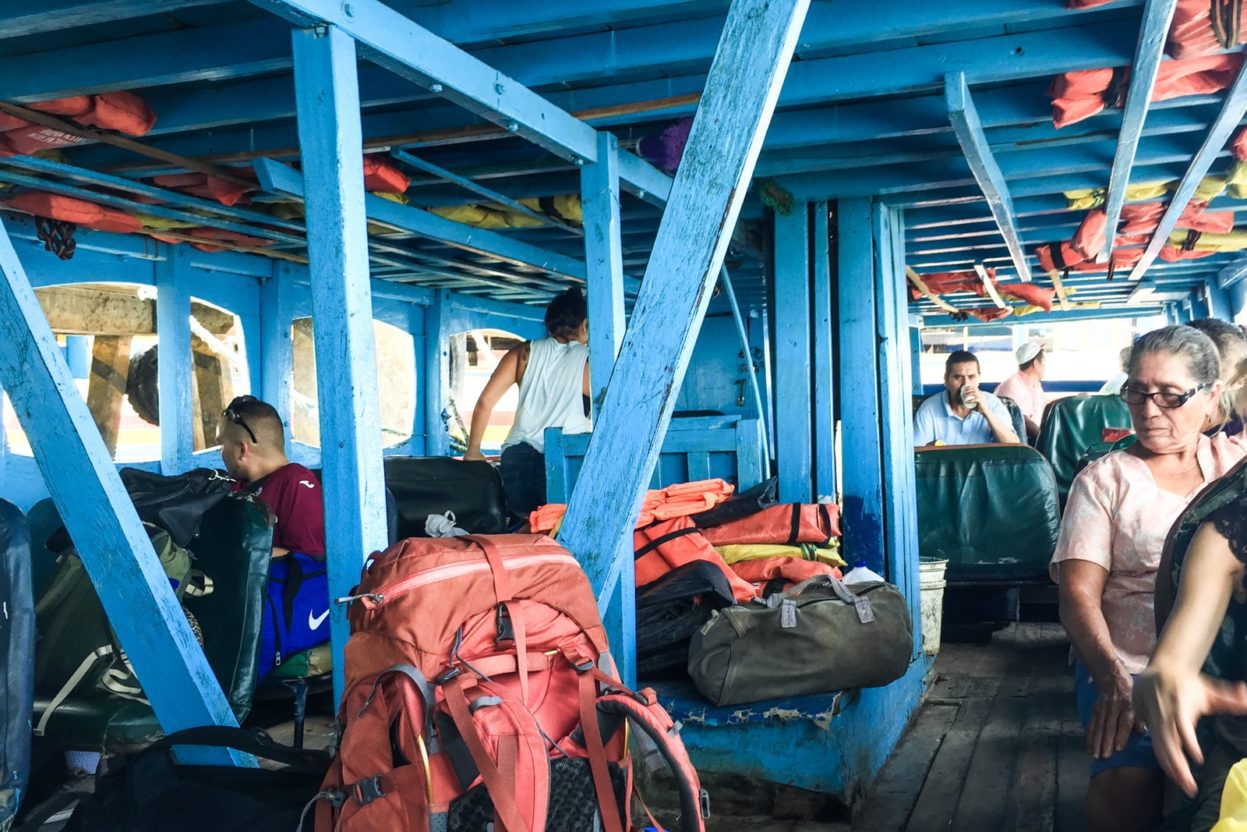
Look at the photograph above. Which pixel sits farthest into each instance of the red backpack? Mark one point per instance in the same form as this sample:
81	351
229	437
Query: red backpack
479	690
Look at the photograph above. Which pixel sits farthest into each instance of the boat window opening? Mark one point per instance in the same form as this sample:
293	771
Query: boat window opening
396	369
474	355
1083	355
218	348
108	334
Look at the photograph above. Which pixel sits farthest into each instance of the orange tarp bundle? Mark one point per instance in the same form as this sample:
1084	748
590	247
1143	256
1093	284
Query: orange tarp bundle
678	500
123	112
670	544
1080	95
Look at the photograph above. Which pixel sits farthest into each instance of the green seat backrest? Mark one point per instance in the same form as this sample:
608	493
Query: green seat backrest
990	510
1016	419
1071	426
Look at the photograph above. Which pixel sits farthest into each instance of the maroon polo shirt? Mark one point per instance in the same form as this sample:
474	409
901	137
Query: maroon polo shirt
293	494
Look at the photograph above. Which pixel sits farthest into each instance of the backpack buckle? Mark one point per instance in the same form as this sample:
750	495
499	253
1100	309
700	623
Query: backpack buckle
448	674
366	791
502	620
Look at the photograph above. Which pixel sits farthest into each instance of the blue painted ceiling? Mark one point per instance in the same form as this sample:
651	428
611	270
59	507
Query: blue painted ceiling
862	113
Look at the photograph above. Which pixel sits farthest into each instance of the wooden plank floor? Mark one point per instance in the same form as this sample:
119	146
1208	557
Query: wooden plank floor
997	745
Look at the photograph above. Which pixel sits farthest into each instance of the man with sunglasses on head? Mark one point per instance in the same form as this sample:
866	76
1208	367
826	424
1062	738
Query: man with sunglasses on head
253	447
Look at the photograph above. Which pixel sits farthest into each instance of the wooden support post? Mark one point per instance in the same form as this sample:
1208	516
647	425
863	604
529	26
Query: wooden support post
114	547
437	375
1218	301
741	89
915	358
794	451
823	389
181	424
276	316
599	195
327	98
860	416
1238	301
750	366
110	368
760	344
900	489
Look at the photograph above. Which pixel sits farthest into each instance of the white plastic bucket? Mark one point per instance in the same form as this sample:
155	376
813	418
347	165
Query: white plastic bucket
931	582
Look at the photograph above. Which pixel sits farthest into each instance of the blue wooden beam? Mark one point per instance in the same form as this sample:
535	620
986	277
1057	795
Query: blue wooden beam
346	374
860	414
969	130
413	52
1103	313
741	90
1232	274
174	278
99	516
794	451
1157	16
824	403
1214	144
19	21
1218	301
599	199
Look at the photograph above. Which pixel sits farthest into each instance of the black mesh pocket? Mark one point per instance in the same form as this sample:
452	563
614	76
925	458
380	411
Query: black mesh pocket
573	801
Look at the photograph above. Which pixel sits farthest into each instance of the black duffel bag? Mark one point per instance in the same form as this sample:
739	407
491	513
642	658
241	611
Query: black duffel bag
472	491
672	608
150	792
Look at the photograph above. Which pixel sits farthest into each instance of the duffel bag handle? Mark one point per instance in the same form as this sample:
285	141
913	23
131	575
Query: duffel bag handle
865	614
255	742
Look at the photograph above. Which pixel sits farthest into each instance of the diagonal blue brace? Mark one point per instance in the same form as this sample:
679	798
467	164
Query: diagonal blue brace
100	518
1232	110
1147	56
346	371
978	153
741	89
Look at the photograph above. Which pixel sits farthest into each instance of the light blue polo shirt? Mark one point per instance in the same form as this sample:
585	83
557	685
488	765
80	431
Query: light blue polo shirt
935	420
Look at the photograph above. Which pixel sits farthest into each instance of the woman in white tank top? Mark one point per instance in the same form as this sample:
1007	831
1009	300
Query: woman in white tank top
553	375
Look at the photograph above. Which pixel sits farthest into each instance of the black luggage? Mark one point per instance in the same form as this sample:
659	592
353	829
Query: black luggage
17	658
668	612
151	792
422	486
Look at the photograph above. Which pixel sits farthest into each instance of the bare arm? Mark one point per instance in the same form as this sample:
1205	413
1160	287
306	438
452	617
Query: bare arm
1081	590
1172	695
1001	429
505	374
1032	427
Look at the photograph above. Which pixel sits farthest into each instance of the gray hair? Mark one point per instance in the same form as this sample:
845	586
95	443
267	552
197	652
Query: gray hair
1185	342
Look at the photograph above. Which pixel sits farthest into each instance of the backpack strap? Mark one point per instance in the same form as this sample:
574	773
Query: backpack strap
643	710
502	586
501	789
72	682
607	804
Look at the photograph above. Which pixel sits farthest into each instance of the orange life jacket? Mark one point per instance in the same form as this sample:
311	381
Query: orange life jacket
78	211
123	112
1032	293
670	544
383	177
211	187
790	570
1202	27
787	523
943	283
1080	95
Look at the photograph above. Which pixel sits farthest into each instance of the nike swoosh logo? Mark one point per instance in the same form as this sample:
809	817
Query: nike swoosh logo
314	621
307	484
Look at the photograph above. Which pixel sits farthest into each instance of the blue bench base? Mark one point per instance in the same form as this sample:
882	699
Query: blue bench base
832	743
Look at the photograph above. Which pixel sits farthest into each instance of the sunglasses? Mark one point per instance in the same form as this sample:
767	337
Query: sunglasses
1164	400
234	416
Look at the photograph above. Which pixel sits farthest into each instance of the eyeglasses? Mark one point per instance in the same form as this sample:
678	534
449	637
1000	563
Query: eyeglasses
234	416
1162	399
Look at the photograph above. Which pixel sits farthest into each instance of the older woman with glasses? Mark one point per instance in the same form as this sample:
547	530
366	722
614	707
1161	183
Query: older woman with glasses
1119	512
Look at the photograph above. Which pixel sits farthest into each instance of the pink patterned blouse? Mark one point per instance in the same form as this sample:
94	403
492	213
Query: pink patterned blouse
1118	517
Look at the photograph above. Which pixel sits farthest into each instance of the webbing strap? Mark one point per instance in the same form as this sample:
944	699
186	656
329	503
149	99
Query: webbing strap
72	682
607	804
795	531
666	538
502	586
501	791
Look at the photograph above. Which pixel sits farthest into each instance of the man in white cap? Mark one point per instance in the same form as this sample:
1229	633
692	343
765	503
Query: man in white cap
1025	388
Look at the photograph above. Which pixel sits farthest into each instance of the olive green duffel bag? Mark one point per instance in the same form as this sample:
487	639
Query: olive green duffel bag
818	637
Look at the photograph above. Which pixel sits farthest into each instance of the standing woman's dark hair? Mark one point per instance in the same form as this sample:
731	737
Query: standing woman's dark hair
566	313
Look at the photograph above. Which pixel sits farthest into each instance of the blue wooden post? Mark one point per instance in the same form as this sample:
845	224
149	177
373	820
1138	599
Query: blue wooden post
915	356
1186	309
327	96
1238	299
860	416
276	318
175	368
115	549
78	355
793	452
437	375
741	89
751	367
823	389
1199	304
599	194
760	344
1217	301
900	488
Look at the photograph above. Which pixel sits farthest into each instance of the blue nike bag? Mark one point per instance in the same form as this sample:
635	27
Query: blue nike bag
296	612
